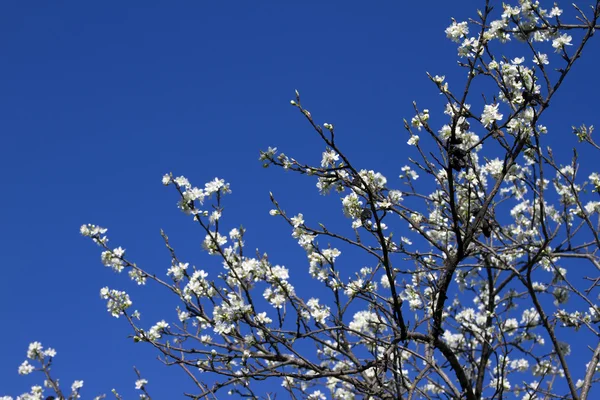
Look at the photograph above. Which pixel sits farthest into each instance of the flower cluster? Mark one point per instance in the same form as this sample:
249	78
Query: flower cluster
466	302
40	360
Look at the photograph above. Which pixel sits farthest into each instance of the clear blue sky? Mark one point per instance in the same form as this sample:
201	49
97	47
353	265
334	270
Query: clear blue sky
99	100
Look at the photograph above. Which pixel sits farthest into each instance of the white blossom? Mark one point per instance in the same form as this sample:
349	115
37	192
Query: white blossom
490	114
140	383
25	368
457	31
560	42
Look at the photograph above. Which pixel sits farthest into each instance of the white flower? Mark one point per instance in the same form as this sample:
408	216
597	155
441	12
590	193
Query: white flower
117	301
35	351
385	282
541	58
317	311
497	383
265	155
216	185
25	368
94	232
354	287
454	340
214	216
84	230
555	12
316	395
470	47
140	383
521	365
137	276
262	318
183	315
329	158
288	382
213	241
408	173
497	30
352	206
156	331
457	31
434	389
490	114
418	120
198	286
592	206
235	234
189	196
297	220
414	139
545	367
366	321
178	271
374	180
114	259
275	297
182	181
510	325
50	352
530	317
560	42
595	180
76	386
280	272
510	11
494	167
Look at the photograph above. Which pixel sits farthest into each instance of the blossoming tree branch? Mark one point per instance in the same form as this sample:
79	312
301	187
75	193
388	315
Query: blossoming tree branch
477	298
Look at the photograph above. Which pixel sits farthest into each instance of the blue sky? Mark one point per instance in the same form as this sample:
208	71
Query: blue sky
98	101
